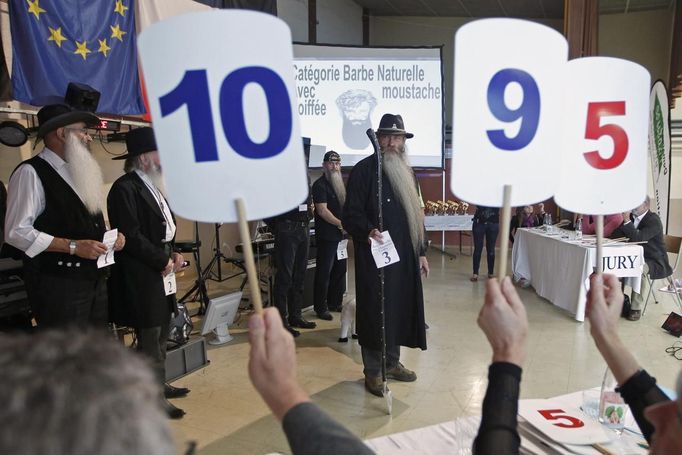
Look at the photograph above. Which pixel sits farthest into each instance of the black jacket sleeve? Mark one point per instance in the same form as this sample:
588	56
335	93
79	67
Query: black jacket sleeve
639	392
355	218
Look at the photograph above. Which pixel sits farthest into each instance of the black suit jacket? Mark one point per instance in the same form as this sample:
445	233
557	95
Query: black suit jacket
650	230
136	292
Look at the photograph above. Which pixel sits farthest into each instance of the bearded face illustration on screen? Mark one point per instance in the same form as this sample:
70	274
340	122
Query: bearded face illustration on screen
355	107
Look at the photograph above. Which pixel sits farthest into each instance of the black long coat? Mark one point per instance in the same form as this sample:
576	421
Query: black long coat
404	300
136	292
650	229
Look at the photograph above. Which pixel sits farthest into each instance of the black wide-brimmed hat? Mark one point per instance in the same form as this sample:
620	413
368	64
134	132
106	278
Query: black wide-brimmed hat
139	141
392	124
55	116
331	156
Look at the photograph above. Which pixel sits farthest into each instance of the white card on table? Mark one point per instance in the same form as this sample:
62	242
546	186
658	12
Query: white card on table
563	424
223	101
169	284
384	253
507	110
605	140
109	240
342	250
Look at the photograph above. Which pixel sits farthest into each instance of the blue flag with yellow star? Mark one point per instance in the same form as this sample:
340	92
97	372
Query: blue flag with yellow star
55	42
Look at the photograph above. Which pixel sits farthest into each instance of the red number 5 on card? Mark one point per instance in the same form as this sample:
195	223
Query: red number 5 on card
594	130
559	414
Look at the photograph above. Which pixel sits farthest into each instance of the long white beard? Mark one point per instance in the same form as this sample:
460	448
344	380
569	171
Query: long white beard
402	180
86	174
156	176
336	181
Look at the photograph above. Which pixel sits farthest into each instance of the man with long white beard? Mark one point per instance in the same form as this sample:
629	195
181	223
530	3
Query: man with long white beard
403	217
54	217
329	195
138	299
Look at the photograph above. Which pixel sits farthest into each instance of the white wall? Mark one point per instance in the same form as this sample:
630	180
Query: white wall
339	22
295	14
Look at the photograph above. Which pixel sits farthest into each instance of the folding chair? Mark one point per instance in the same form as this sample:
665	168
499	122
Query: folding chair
673	245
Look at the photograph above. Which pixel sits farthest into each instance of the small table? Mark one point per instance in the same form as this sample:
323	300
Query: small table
559	267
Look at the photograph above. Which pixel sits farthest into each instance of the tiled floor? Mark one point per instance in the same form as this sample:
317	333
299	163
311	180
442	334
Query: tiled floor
225	415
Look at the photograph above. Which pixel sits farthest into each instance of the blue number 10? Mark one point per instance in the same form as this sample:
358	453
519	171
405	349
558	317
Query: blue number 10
528	111
193	92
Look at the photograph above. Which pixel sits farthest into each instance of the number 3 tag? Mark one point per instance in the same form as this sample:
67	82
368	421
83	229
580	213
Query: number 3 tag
384	253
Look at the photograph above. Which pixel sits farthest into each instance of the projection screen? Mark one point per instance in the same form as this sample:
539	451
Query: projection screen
342	91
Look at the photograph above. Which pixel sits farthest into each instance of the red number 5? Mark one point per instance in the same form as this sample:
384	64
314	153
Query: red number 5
594	130
557	414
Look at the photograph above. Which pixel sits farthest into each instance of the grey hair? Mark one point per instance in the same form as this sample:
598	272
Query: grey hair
132	163
68	392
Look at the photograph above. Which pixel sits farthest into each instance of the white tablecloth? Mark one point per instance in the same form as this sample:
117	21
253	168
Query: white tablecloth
448	222
559	270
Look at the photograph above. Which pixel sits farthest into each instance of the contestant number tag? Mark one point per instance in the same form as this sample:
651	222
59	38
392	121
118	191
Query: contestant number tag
384	253
342	250
170	286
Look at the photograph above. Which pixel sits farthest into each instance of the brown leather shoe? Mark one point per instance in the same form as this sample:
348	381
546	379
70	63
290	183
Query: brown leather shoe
374	385
400	373
634	315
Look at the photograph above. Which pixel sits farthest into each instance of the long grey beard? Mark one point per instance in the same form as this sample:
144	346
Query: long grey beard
402	180
156	176
85	173
336	181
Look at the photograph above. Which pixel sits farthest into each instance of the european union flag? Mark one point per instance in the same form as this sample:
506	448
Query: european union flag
61	41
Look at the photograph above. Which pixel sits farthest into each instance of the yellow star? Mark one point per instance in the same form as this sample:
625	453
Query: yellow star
117	33
34	8
56	36
120	8
103	47
82	50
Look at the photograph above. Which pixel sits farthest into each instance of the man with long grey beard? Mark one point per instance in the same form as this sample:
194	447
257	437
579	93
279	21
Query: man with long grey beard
137	296
329	195
403	217
54	217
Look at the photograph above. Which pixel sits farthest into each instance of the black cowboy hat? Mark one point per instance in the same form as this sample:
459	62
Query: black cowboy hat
55	116
392	124
139	141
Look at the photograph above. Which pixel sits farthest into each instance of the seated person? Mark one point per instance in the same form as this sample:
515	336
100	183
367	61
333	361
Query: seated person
611	222
541	214
69	392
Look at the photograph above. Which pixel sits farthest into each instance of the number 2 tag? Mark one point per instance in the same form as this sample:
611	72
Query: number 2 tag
223	104
384	253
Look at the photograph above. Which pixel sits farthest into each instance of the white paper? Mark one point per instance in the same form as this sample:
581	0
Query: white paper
169	284
342	250
604	146
384	253
109	240
561	423
223	83
488	53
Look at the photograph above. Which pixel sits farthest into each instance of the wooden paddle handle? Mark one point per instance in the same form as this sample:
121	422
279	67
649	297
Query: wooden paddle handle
504	231
249	262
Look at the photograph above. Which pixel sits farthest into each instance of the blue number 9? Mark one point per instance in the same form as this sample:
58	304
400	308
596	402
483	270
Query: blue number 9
528	111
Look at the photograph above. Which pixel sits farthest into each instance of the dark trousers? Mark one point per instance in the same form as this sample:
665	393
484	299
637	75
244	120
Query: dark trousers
152	343
60	301
372	360
330	277
489	231
291	260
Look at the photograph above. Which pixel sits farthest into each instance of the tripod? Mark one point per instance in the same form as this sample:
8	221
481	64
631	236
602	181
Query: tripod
198	290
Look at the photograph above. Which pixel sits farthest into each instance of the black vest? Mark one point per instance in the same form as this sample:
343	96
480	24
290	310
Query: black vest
64	216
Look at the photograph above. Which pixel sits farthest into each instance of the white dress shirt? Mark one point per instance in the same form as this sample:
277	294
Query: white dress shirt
26	201
163	204
638	219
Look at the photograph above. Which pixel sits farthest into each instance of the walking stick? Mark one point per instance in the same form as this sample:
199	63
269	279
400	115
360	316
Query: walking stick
388	396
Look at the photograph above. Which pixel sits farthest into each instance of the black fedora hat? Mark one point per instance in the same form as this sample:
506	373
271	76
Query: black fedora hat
392	124
55	116
139	141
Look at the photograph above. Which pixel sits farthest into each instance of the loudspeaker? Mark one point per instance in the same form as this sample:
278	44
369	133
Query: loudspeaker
82	97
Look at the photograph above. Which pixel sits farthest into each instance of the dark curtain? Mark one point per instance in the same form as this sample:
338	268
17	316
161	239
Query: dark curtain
266	6
5	85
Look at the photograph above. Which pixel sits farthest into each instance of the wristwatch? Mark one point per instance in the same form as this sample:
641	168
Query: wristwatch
72	247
